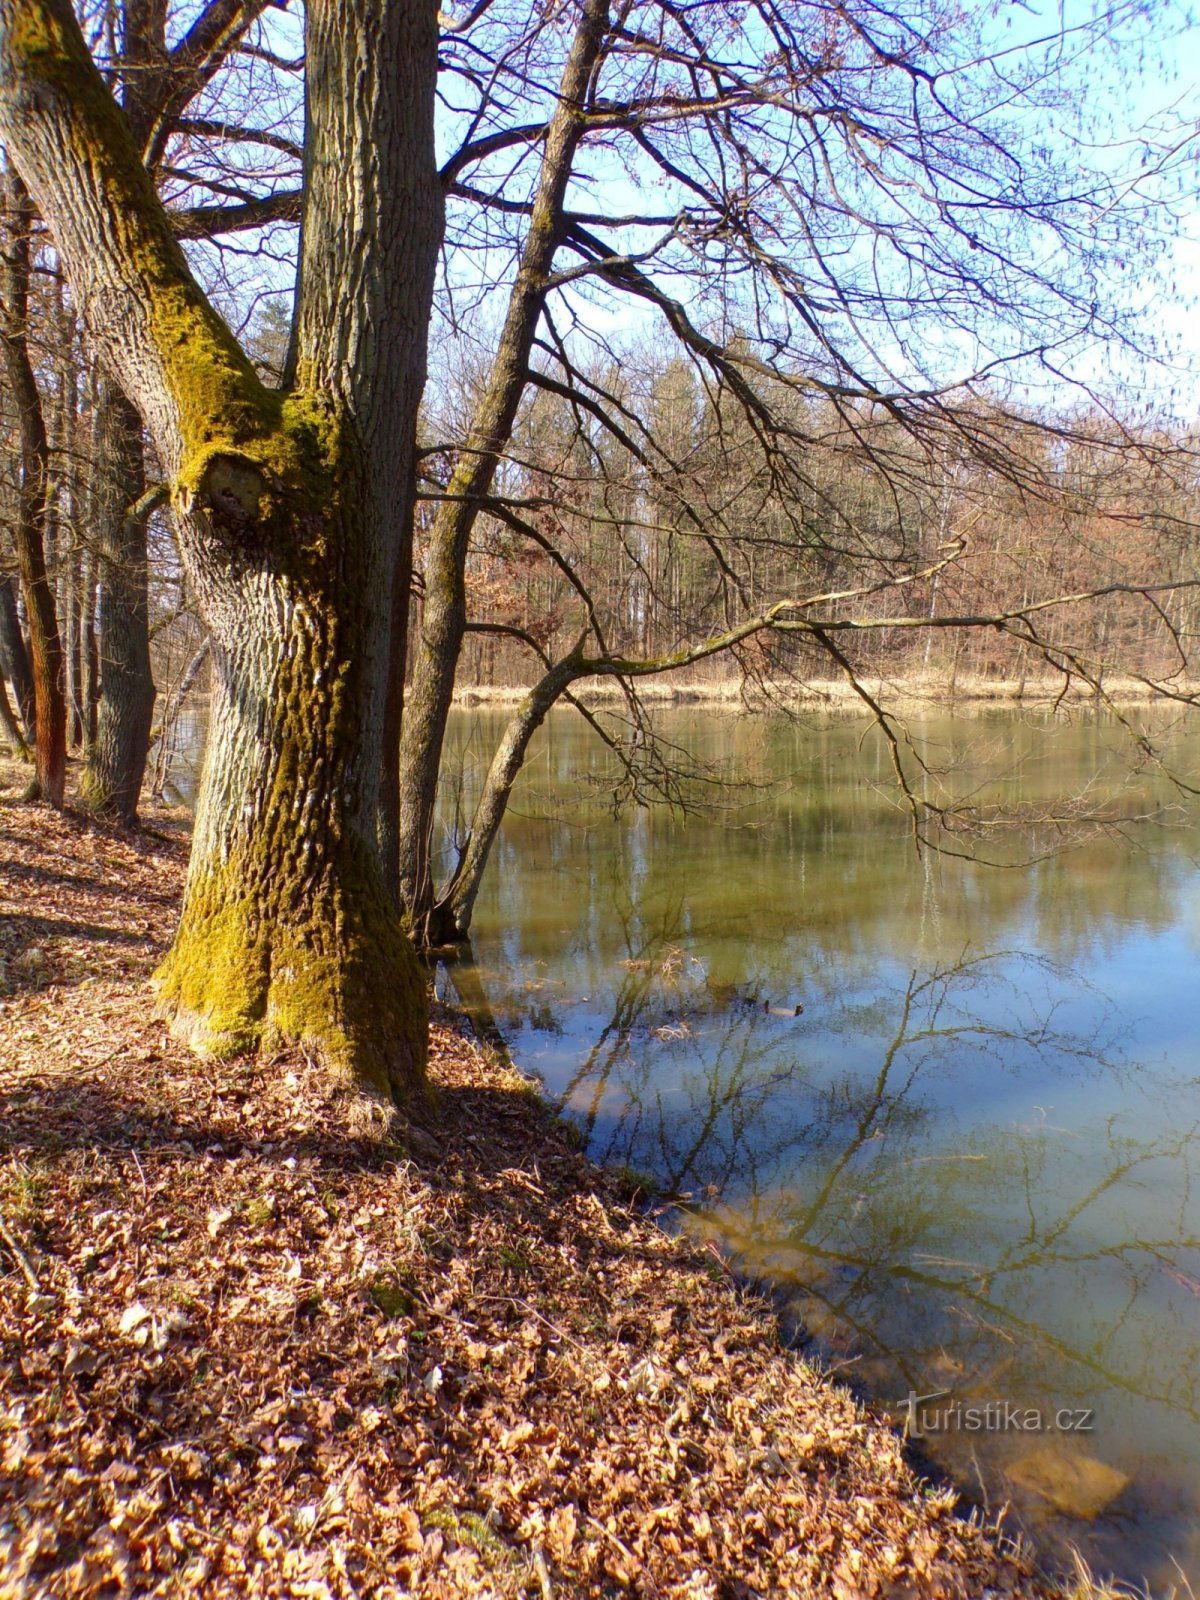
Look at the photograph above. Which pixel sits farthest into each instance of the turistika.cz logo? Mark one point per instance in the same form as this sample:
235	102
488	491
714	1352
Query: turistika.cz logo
938	1412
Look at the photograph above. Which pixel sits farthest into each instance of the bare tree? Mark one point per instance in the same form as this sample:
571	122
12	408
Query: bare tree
837	219
841	221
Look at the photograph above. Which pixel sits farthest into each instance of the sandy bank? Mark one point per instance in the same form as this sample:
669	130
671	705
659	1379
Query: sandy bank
909	696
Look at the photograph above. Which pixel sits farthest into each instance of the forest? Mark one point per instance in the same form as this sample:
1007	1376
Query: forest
363	362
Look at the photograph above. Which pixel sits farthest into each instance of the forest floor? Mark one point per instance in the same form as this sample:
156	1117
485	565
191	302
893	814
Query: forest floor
244	1352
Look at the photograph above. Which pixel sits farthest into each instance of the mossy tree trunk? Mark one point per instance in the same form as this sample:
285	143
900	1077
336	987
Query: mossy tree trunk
156	81
289	928
294	511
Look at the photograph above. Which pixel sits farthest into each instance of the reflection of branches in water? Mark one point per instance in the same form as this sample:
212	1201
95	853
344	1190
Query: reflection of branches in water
1019	1258
727	1089
870	1222
860	1249
870	1228
709	1128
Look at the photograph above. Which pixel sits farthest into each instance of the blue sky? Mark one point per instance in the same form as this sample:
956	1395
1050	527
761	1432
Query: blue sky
1126	107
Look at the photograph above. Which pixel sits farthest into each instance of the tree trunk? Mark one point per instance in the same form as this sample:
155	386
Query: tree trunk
451	917
8	723
91	659
112	781
72	614
294	518
14	658
444	618
289	931
165	736
49	705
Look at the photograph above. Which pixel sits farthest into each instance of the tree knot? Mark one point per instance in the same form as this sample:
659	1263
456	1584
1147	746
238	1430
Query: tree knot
232	490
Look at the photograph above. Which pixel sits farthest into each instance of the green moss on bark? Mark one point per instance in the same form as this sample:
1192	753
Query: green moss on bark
343	982
221	406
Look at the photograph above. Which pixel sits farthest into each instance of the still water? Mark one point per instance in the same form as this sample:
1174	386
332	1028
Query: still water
966	1162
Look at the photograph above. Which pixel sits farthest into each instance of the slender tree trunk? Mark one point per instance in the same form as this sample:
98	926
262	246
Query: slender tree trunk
165	736
50	716
445	609
65	522
112	781
71	613
294	517
91	660
8	722
450	920
14	658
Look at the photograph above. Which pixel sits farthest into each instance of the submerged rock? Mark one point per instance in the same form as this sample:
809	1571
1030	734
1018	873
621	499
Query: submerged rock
1076	1485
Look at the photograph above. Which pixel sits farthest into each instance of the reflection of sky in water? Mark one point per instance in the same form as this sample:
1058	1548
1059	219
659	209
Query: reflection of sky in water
968	1163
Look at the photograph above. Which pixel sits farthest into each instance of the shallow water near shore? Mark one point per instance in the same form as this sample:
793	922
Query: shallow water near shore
966	1162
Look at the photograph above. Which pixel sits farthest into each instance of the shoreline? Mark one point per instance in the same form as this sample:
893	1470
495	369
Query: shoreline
249	1351
905	695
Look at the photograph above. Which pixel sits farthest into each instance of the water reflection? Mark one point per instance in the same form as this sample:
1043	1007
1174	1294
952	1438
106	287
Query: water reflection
967	1163
1035	1263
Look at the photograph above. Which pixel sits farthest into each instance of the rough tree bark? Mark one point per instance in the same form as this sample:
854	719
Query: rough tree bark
294	514
8	722
112	779
45	645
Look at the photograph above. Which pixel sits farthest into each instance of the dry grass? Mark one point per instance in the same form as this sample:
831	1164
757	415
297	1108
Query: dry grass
907	694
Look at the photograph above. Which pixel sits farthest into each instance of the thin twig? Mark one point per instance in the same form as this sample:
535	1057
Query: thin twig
543	1573
20	1257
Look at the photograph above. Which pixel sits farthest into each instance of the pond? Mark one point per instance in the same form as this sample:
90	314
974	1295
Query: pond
949	1111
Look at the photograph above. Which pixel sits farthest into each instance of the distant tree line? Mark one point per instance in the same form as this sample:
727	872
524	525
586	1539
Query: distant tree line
672	533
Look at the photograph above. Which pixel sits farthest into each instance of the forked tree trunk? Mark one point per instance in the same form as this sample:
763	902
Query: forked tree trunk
293	512
112	780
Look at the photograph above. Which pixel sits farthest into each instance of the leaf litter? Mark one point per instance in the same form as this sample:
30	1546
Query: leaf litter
247	1350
